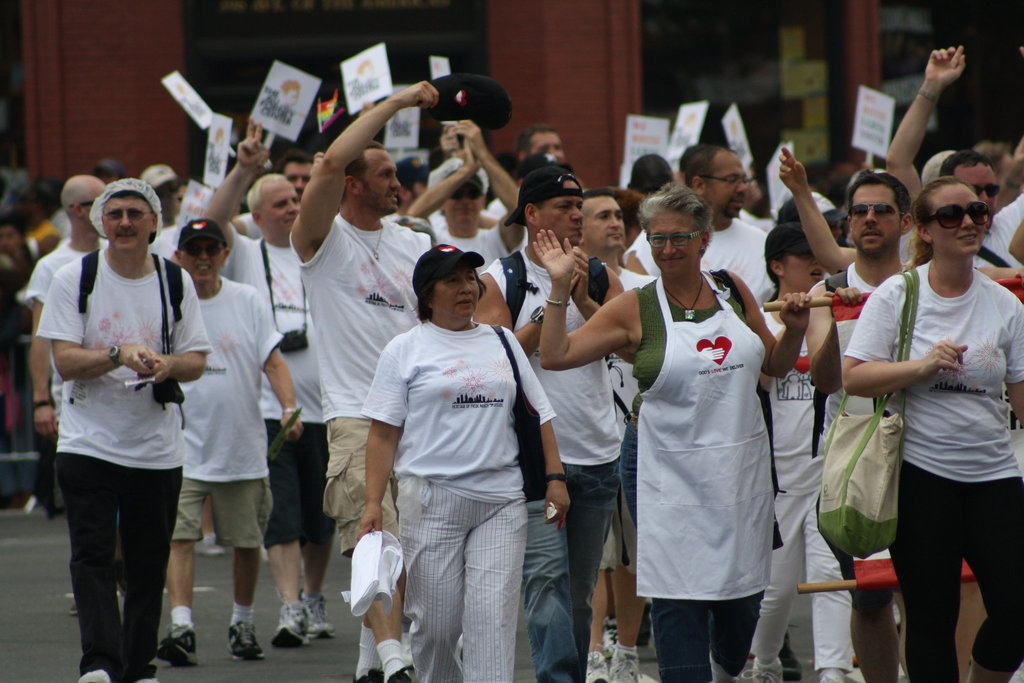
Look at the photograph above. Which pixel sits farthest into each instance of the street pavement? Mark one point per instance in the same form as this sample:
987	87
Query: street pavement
39	642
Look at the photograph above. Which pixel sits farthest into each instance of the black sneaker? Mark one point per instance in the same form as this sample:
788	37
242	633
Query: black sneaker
179	647
242	641
791	668
372	676
401	676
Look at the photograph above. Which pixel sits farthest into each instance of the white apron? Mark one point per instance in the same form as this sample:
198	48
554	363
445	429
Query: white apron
704	491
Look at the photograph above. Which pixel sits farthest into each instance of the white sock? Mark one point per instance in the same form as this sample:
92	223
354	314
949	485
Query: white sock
622	648
368	657
181	616
390	652
210	538
241	613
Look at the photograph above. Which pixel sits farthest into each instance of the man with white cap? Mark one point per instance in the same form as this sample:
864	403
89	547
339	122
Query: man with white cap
122	316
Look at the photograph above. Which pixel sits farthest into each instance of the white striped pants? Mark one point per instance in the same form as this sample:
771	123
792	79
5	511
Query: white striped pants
463	563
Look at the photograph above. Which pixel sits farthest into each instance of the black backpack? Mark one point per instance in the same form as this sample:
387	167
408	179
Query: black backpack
516	284
91	261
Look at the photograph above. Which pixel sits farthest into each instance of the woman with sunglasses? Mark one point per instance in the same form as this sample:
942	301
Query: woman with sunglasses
961	495
695	463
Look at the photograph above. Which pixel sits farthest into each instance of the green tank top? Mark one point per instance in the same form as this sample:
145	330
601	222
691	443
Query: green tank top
651	353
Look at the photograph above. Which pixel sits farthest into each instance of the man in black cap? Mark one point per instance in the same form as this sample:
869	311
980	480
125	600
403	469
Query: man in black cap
225	442
560	571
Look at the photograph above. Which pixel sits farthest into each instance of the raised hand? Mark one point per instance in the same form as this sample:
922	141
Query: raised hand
559	261
792	173
945	66
251	152
423	95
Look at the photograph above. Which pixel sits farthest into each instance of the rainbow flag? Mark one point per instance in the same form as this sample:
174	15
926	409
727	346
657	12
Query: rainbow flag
327	112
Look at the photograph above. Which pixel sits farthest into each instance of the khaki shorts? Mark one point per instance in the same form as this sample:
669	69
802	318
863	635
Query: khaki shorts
240	511
345	494
620	546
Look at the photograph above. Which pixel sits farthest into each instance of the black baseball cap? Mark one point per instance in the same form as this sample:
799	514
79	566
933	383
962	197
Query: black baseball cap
785	238
471	96
200	227
438	262
543	183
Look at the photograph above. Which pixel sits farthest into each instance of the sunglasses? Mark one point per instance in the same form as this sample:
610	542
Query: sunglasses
678	239
991	189
470	193
134	215
861	210
212	249
952	215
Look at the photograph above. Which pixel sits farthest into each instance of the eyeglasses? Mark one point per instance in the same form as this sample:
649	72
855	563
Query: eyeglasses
952	215
134	215
471	193
88	203
861	210
212	249
730	179
295	178
678	239
991	189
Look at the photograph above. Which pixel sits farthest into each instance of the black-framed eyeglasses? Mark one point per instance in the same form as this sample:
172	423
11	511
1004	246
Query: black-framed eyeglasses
212	248
468	193
730	179
88	203
951	216
134	215
992	189
678	239
880	209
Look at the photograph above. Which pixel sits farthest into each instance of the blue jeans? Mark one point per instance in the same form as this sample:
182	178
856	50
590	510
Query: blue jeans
560	571
627	467
685	630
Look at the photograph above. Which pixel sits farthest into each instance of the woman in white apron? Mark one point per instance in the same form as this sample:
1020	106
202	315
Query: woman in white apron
703	491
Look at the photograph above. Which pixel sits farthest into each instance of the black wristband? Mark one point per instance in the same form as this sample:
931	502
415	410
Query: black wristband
555	476
40	404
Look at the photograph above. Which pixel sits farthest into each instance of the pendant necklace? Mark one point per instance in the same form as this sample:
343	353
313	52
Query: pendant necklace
688	313
376	248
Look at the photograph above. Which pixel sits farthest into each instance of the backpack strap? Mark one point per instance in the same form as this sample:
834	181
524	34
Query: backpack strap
516	284
597	280
175	287
90	264
992	257
837	280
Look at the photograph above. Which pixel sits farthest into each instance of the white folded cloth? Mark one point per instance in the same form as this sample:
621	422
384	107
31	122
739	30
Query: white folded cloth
376	566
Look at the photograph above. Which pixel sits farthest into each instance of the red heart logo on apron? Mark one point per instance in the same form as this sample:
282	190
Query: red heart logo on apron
718	350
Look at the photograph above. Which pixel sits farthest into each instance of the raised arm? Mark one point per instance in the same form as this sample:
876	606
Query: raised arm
780	353
323	194
434	197
250	159
1012	181
944	67
823	244
503	185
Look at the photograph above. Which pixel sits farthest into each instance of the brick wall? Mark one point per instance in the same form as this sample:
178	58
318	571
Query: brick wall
574	64
92	74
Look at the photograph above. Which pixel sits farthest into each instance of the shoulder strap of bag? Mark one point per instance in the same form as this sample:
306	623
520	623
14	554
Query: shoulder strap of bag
837	280
90	264
597	282
511	358
992	257
516	284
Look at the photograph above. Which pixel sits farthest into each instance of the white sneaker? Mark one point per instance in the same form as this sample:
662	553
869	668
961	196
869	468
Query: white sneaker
208	546
597	667
625	667
831	676
764	673
291	628
317	625
98	676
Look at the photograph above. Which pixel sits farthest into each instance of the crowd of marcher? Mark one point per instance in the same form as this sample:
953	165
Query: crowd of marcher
344	359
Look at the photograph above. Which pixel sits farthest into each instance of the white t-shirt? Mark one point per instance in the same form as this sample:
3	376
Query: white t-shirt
101	417
739	249
486	242
361	302
245	264
38	285
792	399
956	421
225	437
453	393
166	243
1004	225
582	396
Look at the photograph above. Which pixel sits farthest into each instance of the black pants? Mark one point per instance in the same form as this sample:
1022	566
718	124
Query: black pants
100	498
941	522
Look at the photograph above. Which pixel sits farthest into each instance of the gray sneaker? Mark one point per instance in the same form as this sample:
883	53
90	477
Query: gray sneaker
317	625
625	667
291	628
597	667
179	647
242	641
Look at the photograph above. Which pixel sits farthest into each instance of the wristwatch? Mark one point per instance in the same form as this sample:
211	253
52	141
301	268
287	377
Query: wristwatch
115	355
538	315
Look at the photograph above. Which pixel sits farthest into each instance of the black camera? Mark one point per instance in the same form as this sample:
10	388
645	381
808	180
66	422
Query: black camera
168	391
293	340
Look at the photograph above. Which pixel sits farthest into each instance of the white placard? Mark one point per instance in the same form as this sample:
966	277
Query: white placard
218	143
285	99
689	124
366	77
778	193
644	135
439	66
188	98
403	129
736	134
196	201
872	123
